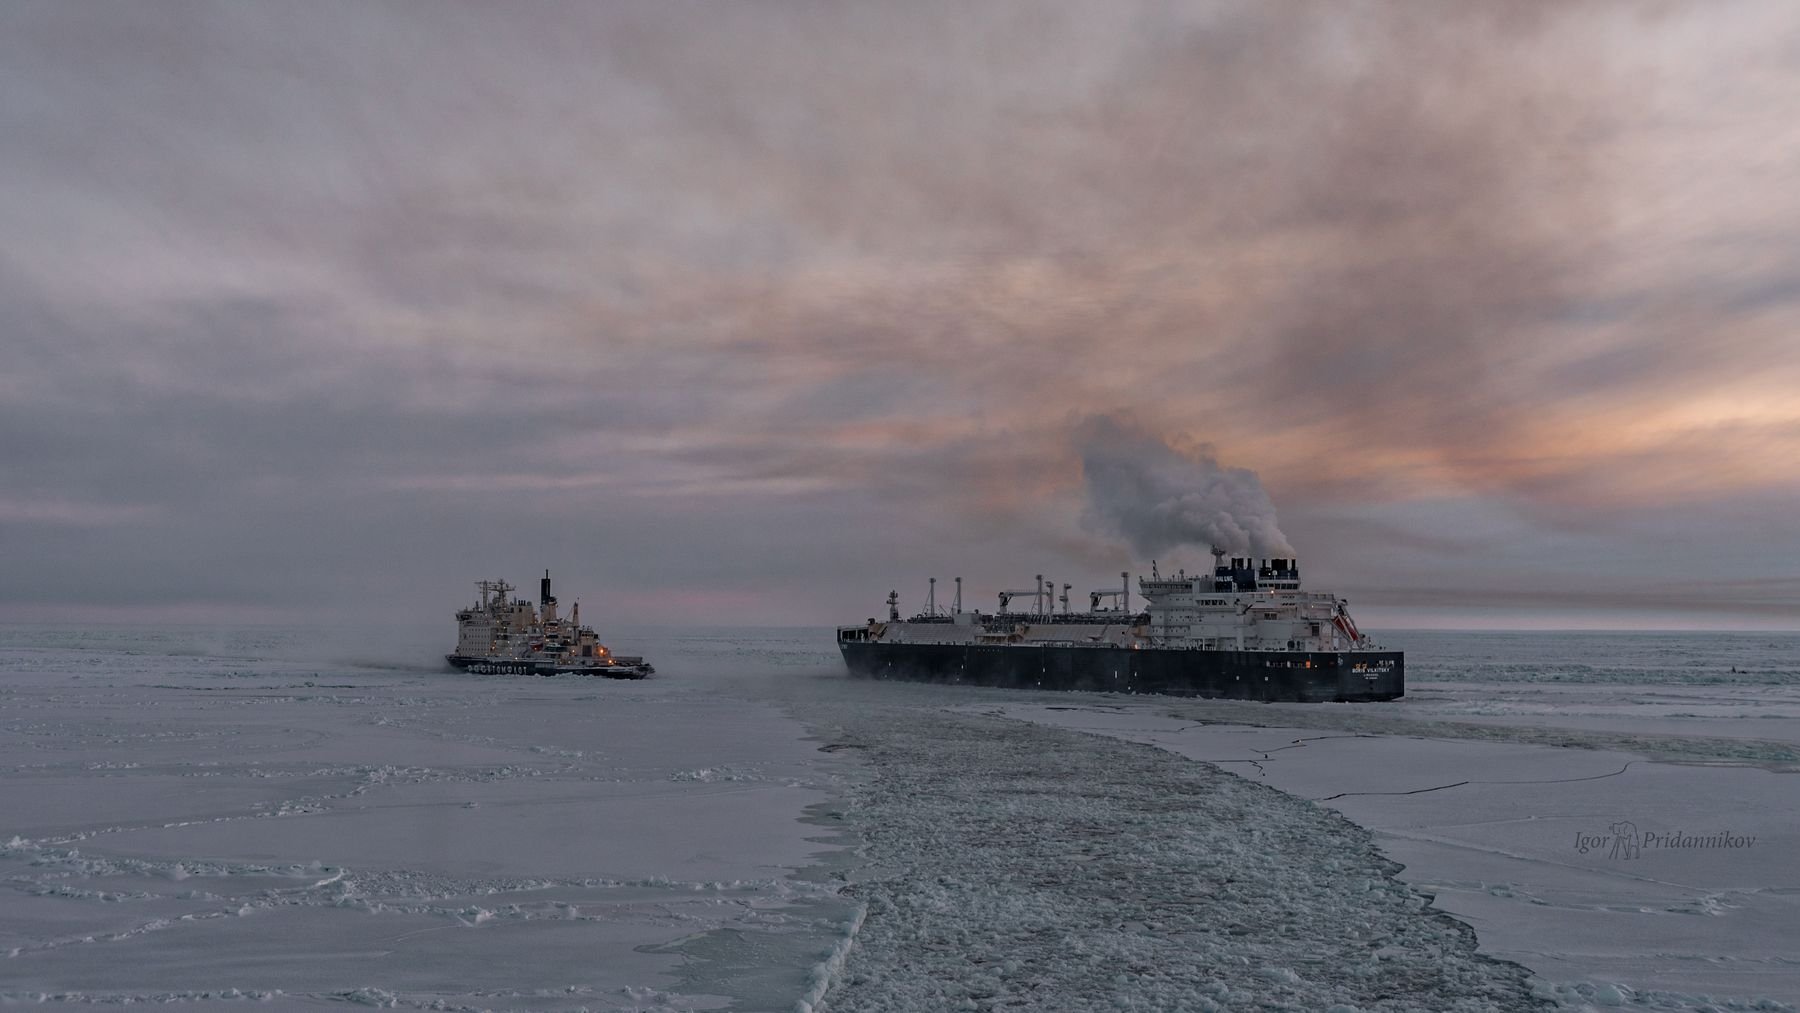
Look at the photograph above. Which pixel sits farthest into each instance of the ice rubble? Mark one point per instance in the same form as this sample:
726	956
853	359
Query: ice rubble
1032	868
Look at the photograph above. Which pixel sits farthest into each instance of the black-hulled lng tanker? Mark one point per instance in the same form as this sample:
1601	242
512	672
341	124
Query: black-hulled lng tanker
502	635
1246	632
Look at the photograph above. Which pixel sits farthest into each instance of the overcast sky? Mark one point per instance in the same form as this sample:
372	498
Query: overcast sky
749	312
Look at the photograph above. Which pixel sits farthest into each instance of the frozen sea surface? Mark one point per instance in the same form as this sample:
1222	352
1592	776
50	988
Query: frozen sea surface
1619	813
313	817
1010	869
189	816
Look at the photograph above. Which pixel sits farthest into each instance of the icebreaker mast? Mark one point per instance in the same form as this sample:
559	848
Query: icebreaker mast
546	600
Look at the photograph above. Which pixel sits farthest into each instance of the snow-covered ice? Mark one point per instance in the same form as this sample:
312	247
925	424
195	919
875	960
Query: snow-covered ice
1013	869
179	825
1620	840
196	818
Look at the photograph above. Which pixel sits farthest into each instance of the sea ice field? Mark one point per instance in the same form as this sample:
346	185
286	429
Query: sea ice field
295	817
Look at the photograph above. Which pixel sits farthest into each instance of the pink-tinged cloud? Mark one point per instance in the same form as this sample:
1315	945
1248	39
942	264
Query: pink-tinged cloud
822	296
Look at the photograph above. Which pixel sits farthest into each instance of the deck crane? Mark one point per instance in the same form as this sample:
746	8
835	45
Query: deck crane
1037	596
1121	594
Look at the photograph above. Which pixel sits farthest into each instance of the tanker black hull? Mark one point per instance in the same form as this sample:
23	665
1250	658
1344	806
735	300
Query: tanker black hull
1308	677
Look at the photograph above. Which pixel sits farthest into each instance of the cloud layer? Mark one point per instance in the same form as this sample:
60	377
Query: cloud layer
764	307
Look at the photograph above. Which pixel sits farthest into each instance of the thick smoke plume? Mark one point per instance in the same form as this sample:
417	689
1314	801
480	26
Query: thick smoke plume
1158	497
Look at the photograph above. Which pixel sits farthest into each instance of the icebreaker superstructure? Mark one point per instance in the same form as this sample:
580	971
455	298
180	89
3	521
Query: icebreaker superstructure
503	635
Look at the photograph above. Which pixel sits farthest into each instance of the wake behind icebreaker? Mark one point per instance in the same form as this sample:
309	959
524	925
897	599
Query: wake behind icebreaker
1244	632
502	635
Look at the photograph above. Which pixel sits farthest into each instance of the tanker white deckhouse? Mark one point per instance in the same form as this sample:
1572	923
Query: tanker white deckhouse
503	635
1246	631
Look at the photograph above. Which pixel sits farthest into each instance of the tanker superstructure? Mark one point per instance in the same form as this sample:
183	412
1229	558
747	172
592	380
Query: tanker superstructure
503	635
1246	631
